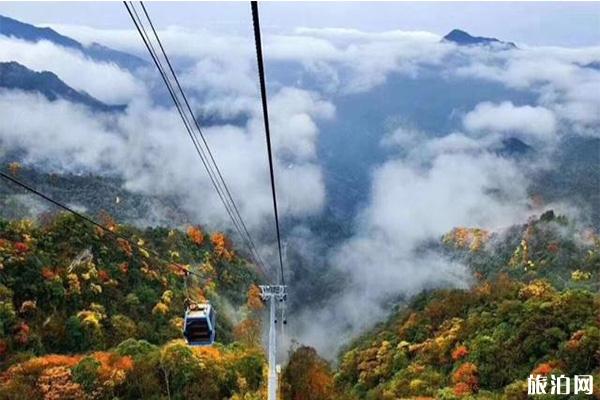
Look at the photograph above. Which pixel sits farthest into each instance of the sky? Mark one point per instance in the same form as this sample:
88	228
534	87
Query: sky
572	24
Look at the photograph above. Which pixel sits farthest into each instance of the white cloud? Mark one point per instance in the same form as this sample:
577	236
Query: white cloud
292	111
527	121
411	206
59	134
559	76
403	137
365	58
106	82
148	147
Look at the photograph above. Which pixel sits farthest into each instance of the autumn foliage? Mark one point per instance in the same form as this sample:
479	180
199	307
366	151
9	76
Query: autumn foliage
84	315
460	352
543	369
471	239
307	376
530	312
254	302
195	235
465	379
222	246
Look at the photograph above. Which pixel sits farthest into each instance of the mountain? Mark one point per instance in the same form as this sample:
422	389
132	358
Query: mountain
514	147
20	30
463	38
532	310
574	176
592	65
478	344
16	76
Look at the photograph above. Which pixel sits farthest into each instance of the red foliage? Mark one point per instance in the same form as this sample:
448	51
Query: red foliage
21	247
543	369
460	352
462	389
56	383
222	246
254	301
124	363
48	273
103	275
178	269
124	267
466	378
109	362
248	331
308	377
107	220
125	246
575	340
37	364
22	335
195	235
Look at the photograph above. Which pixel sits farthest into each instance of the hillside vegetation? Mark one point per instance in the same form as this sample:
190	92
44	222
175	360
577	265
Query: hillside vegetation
534	309
85	315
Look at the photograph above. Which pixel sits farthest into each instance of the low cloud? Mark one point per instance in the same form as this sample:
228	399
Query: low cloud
104	81
562	79
147	146
352	61
527	121
411	206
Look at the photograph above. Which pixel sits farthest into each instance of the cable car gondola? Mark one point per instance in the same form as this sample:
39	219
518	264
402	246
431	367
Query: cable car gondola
200	324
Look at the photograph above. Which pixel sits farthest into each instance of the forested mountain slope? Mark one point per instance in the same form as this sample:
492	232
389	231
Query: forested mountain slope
534	308
84	314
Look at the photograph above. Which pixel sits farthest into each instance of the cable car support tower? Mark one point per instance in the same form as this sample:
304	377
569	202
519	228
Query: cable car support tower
273	295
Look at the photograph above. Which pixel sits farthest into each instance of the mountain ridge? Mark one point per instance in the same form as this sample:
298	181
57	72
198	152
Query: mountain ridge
463	38
17	76
13	28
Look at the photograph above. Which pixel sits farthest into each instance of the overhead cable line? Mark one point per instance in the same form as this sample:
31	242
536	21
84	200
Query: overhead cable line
229	204
263	95
197	125
146	38
90	221
208	162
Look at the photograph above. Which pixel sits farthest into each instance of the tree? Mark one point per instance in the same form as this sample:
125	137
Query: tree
466	379
307	376
195	235
85	373
56	383
123	328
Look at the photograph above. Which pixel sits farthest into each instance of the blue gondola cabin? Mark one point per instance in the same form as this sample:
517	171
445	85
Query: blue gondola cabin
200	325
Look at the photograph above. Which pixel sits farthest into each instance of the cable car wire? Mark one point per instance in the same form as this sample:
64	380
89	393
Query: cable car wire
216	178
195	120
263	95
231	209
145	37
